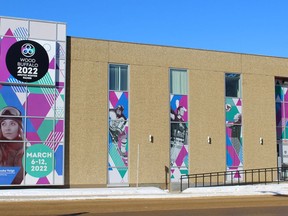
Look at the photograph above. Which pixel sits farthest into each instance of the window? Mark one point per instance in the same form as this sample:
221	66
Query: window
233	85
118	77
178	81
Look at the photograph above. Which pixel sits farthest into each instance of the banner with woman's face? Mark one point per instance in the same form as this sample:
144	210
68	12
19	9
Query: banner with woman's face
32	98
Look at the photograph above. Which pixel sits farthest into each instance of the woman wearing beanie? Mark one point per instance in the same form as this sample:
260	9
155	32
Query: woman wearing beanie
11	141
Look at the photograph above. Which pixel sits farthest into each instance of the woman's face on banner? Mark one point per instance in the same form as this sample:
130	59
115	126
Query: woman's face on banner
10	129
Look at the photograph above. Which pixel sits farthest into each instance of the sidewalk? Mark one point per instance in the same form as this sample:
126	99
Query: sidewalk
138	193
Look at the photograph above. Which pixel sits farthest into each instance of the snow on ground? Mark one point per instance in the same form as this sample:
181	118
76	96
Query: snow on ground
261	189
140	192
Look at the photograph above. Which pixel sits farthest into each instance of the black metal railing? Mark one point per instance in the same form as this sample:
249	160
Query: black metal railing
236	177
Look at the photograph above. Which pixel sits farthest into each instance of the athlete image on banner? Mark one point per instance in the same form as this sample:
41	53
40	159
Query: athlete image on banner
178	115
179	136
118	137
178	108
117	130
11	146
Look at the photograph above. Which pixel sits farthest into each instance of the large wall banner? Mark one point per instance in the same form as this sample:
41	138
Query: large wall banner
179	136
32	102
118	145
234	137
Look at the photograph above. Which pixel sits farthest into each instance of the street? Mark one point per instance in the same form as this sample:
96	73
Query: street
245	205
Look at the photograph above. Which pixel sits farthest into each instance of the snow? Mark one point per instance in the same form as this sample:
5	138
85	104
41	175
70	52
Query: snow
137	192
244	190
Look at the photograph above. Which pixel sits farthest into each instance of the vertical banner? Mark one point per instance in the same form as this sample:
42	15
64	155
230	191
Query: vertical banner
32	102
178	136
234	139
281	107
234	134
118	137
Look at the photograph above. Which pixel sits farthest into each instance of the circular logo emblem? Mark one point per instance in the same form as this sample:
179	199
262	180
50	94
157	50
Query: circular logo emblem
27	61
27	50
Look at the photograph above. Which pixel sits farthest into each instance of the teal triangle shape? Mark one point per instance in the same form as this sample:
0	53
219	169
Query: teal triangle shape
122	172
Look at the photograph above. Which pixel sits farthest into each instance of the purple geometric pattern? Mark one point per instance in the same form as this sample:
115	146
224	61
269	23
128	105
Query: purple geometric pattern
56	136
181	156
43	181
40	101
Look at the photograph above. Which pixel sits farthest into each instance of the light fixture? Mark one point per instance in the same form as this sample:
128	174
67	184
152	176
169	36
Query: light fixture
150	138
209	140
261	140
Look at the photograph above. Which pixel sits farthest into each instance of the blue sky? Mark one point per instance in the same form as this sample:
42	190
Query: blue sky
243	26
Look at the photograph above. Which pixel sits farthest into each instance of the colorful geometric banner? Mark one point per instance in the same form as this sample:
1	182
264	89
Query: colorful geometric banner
280	114
32	102
233	107
176	173
118	145
234	146
178	136
281	93
281	107
117	175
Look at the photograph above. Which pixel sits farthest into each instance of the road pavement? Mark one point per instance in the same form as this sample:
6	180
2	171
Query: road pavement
236	206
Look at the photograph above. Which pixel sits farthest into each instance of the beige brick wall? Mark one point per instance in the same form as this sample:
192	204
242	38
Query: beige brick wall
207	118
149	108
259	121
148	116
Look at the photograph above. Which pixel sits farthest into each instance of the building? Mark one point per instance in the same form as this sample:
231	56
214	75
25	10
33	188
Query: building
126	114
